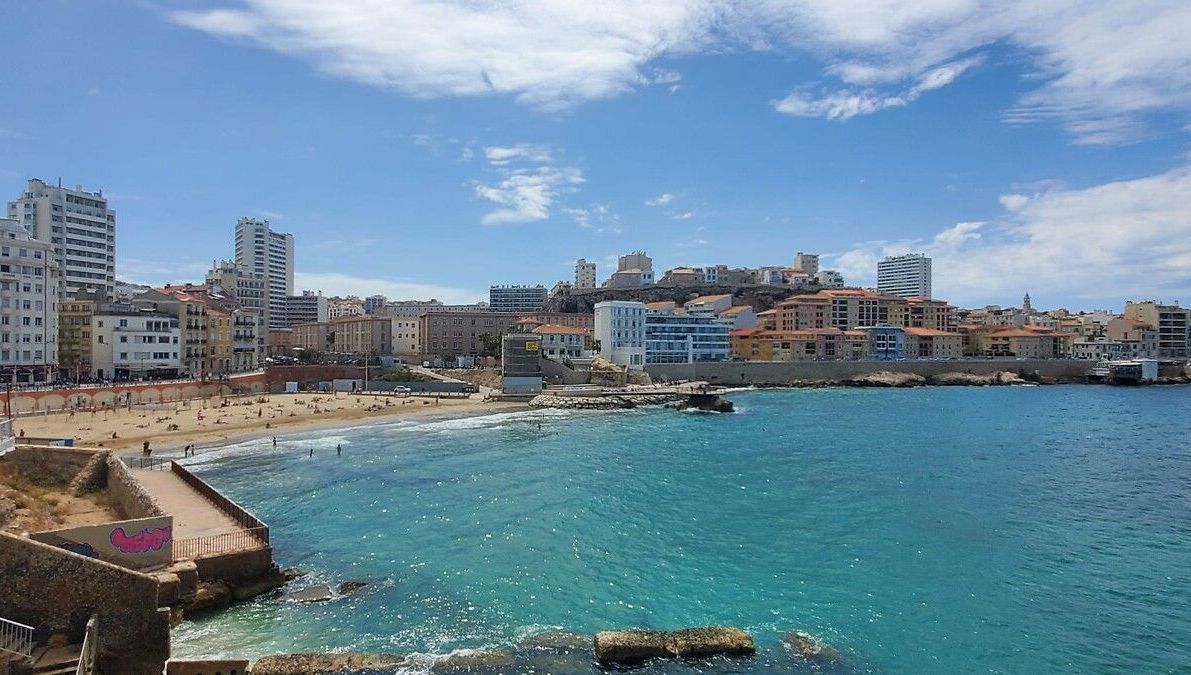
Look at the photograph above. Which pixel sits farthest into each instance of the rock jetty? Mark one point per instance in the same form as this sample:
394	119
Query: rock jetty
1002	377
626	647
317	664
809	648
613	402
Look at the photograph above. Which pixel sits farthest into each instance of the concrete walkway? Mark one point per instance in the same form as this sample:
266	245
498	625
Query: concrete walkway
194	515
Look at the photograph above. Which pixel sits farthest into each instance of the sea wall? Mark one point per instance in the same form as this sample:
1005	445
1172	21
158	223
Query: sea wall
57	591
134	544
49	463
240	567
780	373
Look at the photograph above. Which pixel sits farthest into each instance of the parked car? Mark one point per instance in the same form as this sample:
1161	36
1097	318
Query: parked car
470	389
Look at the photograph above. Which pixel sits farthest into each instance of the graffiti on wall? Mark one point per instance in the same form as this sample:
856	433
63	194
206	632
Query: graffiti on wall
135	544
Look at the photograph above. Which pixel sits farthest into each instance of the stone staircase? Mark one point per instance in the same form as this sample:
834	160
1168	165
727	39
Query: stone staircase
57	660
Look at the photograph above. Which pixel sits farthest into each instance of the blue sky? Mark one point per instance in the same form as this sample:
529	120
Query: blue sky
429	149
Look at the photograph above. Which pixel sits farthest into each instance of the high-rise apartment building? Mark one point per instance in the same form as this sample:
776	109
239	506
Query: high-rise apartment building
807	262
585	274
516	298
620	332
28	306
245	288
309	307
1172	322
79	227
373	303
270	254
906	276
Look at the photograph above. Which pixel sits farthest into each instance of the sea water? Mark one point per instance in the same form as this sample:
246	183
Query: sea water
949	530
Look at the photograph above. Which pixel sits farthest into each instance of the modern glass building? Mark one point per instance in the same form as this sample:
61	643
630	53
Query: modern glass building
685	338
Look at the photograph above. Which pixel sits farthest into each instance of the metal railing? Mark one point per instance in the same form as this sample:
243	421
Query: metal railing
218	544
233	510
87	654
16	638
153	463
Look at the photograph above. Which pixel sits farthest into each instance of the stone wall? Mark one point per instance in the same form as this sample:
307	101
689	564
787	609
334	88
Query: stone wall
129	495
57	592
275	377
236	568
49	463
778	373
94	475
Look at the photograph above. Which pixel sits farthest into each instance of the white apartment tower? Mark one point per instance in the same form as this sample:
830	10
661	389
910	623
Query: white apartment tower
807	262
585	274
620	332
79	227
270	254
28	306
906	276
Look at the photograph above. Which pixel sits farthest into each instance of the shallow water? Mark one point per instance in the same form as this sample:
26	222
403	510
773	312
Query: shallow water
1001	530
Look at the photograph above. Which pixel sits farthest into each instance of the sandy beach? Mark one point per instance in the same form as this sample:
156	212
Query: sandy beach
215	421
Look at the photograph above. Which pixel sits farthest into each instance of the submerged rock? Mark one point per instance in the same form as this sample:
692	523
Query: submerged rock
317	593
318	664
474	661
810	648
353	585
557	641
634	646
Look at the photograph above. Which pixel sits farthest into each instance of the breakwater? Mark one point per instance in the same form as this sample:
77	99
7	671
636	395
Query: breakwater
785	373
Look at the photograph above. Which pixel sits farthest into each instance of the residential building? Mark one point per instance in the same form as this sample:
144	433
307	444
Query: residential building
932	343
1137	339
766	320
219	342
373	303
450	334
369	335
281	342
829	279
125	291
270	254
585	274
519	299
813	344
188	306
309	307
739	316
906	276
240	286
406	334
888	343
708	304
74	337
313	337
1171	321
632	270
561	289
584	321
338	307
563	342
926	313
29	285
130	344
1023	343
245	340
620	332
81	230
412	309
677	336
807	262
1099	349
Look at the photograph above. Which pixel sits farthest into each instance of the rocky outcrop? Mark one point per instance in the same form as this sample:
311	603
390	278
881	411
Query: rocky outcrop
1002	377
809	648
615	402
474	661
351	586
706	403
885	378
318	664
316	593
635	646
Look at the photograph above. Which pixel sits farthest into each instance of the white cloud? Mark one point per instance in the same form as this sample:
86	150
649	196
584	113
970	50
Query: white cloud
685	215
1100	65
334	283
660	200
528	186
846	103
598	217
1094	243
693	243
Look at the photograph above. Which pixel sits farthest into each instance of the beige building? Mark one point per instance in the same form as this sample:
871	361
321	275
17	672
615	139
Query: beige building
1172	323
449	334
1024	343
313	337
363	335
931	343
1138	339
74	338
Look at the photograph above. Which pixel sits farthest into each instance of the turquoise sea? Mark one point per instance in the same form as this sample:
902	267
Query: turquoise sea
933	530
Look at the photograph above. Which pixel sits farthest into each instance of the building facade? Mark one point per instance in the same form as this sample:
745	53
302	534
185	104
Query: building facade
451	334
563	342
807	262
620	332
368	335
1172	323
906	276
271	255
81	230
519	299
74	338
132	344
585	274
245	288
309	307
340	307
684	337
29	287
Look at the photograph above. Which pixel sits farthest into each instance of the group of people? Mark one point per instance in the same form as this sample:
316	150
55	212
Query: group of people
338	448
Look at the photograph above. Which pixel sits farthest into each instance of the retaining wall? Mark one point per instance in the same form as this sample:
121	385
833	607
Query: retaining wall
57	591
236	568
738	373
133	500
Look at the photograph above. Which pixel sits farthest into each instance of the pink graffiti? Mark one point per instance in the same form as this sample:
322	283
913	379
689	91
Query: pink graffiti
145	540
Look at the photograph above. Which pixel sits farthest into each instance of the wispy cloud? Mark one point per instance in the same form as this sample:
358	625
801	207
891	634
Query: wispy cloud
693	243
1100	66
528	183
1093	243
660	200
598	217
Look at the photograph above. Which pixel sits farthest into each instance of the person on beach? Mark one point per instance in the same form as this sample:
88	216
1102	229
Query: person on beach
339	450
145	449
274	441
312	452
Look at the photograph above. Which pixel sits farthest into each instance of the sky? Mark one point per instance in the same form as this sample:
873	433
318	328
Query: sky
429	149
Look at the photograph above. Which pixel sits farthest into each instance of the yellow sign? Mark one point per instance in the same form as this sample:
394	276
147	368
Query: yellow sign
532	345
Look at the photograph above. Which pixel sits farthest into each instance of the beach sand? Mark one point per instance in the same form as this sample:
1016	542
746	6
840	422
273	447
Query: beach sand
216	420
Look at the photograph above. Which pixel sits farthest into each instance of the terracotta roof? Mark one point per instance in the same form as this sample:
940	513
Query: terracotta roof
929	332
552	328
745	332
768	312
737	309
661	304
